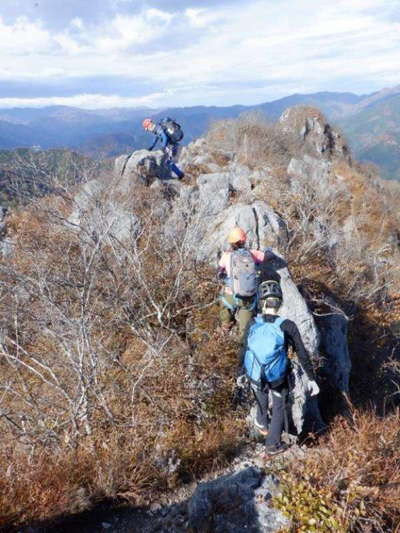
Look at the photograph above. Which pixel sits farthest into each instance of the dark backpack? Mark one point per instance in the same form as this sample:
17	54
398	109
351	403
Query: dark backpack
266	359
243	277
172	129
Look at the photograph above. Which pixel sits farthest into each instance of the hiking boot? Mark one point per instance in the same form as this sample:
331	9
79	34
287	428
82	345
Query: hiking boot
271	451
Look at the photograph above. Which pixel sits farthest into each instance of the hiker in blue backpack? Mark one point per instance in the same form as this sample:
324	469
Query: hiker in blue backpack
264	362
168	133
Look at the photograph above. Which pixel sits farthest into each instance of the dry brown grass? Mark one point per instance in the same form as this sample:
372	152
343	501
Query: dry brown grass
138	319
254	140
354	473
129	330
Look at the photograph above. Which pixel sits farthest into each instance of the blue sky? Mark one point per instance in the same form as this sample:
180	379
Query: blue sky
107	53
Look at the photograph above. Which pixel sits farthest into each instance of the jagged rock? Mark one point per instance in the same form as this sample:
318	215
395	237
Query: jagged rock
230	504
303	408
309	168
100	212
6	244
240	179
310	125
213	193
205	163
263	226
142	164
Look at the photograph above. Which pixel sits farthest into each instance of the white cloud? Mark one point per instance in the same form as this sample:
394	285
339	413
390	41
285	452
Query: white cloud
23	37
86	101
254	51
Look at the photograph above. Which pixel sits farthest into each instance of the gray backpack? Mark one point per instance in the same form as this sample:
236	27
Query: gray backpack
243	273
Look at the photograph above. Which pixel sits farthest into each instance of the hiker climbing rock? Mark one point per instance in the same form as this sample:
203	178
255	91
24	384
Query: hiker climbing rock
264	362
168	133
237	269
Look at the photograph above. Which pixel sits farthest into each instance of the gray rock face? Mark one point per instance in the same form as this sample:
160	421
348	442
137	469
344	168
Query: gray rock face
263	226
142	164
6	245
99	210
309	168
213	193
236	503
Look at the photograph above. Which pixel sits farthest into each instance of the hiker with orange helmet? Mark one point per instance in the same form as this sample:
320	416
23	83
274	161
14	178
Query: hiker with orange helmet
237	269
168	133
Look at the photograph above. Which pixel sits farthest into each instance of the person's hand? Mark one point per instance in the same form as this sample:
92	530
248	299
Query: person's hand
241	381
313	388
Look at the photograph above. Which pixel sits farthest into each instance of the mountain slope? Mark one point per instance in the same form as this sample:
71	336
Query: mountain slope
374	133
371	123
117	385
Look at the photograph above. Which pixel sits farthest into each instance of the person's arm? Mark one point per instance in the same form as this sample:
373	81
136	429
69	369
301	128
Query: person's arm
154	143
163	138
222	272
258	256
295	340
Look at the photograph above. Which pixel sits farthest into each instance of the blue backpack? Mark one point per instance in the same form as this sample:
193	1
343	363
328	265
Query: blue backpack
266	358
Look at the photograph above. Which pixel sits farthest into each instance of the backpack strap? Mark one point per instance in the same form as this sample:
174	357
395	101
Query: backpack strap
227	304
233	308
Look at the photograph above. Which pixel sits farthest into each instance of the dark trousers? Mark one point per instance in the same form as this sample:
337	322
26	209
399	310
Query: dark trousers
276	424
170	155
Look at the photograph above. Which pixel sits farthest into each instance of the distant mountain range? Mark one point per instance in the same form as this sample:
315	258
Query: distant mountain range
371	123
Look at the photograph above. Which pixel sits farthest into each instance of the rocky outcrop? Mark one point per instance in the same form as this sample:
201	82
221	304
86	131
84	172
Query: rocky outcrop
223	196
315	133
263	226
99	212
5	242
141	165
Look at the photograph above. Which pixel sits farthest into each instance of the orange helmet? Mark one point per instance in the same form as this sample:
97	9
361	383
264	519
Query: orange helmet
147	123
237	235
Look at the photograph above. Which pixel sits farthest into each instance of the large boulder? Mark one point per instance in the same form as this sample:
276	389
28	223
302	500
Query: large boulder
234	503
264	228
142	164
6	244
101	211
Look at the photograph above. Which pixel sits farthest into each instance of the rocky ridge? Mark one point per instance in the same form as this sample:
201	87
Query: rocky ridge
222	192
228	194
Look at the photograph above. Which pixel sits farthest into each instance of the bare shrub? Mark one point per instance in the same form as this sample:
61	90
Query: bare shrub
103	358
26	174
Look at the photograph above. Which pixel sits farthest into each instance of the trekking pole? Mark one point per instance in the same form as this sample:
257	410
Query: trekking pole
126	162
